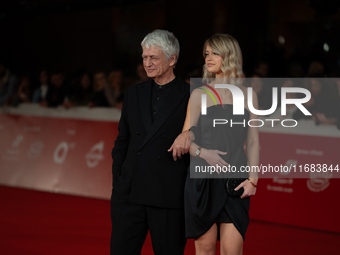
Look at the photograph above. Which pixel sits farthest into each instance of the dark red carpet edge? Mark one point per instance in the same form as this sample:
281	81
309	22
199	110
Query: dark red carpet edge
34	223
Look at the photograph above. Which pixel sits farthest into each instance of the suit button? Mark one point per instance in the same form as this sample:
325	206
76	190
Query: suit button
163	136
137	133
159	157
139	153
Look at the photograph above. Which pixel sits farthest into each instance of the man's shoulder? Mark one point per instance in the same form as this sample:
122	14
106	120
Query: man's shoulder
144	84
179	79
136	86
184	85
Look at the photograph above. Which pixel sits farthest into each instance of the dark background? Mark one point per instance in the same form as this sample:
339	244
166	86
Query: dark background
102	35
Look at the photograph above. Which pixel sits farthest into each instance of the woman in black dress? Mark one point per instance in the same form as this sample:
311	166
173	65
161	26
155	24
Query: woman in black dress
211	213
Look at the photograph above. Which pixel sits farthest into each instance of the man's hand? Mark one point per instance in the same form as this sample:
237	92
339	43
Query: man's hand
181	145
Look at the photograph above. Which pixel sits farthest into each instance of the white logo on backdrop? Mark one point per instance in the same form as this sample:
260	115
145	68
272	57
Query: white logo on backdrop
13	151
95	155
319	181
17	141
60	153
35	149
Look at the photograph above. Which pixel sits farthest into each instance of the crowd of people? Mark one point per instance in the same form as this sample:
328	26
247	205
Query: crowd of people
101	89
324	104
52	89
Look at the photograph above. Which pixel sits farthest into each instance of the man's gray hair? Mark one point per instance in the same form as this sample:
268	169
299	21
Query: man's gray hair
164	40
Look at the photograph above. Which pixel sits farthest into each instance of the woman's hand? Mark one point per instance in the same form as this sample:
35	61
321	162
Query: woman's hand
249	189
213	157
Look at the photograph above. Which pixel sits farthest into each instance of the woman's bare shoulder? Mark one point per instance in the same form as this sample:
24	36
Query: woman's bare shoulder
198	91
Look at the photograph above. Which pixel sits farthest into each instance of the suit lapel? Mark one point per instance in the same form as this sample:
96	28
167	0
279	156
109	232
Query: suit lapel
175	97
144	96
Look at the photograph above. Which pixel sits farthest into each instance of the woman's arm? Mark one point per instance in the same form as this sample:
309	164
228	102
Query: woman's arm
253	152
186	138
212	157
253	147
181	145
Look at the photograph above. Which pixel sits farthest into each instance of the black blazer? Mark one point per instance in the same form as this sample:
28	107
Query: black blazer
144	172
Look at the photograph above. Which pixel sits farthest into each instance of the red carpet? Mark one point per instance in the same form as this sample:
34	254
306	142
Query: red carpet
34	223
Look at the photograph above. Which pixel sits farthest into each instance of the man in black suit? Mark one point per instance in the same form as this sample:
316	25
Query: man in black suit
148	184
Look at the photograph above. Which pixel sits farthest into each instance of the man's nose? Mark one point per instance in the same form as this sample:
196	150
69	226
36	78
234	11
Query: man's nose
148	62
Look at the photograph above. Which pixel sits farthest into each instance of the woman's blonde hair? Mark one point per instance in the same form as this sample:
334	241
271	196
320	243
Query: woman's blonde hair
228	48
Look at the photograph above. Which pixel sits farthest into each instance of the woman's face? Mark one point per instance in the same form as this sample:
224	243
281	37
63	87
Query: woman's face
213	61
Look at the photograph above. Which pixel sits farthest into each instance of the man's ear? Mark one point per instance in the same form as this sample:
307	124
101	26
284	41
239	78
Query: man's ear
172	60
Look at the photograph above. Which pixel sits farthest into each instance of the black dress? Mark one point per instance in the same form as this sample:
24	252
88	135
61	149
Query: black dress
206	199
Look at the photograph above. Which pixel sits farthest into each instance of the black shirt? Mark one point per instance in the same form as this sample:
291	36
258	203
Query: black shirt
159	94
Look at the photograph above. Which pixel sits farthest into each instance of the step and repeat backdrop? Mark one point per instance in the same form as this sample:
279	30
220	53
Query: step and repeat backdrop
69	151
58	150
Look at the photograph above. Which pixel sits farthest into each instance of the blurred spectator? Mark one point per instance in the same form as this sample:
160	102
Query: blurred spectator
83	91
115	87
57	91
262	90
316	69
192	71
23	94
141	74
323	109
40	93
8	83
290	108
333	116
119	103
295	70
337	99
99	84
262	69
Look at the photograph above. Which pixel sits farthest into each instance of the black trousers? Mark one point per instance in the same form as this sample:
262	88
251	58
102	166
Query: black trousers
130	225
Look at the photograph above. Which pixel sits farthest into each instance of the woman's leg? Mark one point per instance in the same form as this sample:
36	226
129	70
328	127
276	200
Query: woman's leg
231	240
206	243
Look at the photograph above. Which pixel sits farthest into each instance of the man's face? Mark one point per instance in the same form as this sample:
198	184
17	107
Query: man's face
155	63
